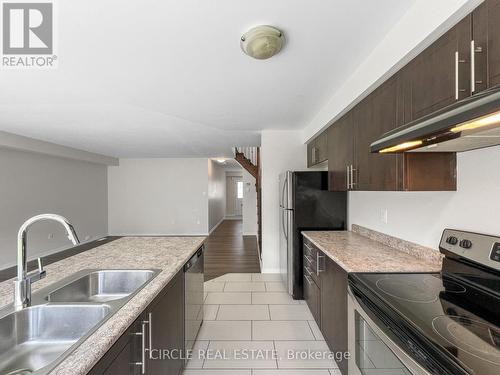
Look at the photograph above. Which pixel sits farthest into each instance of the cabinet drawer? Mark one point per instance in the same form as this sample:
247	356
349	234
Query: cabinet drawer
309	249
313	261
311	269
312	298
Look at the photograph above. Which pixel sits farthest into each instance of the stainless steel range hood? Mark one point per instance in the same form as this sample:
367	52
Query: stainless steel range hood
469	124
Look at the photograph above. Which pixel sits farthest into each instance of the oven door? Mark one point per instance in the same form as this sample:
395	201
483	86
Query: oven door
371	350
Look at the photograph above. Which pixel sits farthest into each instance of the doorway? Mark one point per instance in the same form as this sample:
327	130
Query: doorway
234	196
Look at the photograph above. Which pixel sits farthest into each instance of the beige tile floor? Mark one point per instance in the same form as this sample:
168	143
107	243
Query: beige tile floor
250	326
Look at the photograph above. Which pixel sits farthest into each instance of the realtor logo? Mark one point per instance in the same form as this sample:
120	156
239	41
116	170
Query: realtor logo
28	35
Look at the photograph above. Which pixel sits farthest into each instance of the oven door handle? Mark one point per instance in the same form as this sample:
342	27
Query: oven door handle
405	359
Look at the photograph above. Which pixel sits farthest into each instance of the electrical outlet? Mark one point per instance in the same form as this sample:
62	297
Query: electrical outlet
384	215
51	236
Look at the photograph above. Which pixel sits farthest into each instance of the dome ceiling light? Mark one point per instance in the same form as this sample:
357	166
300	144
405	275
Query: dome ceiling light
262	42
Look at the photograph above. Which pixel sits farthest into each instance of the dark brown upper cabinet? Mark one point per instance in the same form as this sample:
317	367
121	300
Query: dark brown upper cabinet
462	62
317	150
341	153
322	147
353	167
440	75
419	171
486	45
374	116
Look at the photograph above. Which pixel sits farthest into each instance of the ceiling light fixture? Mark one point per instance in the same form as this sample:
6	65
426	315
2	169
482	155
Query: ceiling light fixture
262	42
221	161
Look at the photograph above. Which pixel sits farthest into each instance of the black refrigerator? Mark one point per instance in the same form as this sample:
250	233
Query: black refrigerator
305	204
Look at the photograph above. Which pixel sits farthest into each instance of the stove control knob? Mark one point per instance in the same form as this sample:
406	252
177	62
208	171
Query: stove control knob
466	244
452	240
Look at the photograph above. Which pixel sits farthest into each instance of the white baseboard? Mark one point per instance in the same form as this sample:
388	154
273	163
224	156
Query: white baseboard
270	270
216	226
250	233
233	217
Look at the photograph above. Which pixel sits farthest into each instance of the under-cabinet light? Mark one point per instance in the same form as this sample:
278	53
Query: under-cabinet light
401	147
489	120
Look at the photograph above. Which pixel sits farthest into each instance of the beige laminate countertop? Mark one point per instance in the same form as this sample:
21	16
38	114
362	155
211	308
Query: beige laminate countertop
356	253
166	253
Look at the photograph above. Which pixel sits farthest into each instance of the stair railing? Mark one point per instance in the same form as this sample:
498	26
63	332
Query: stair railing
248	152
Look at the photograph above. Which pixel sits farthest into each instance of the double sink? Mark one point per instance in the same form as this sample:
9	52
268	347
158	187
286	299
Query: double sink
35	339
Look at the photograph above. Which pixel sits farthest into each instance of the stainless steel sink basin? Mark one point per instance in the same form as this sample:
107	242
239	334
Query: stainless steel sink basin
34	337
102	286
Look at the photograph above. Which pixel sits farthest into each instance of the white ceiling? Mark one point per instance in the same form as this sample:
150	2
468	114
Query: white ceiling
167	78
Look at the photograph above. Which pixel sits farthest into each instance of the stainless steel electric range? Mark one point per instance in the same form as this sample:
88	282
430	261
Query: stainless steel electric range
444	323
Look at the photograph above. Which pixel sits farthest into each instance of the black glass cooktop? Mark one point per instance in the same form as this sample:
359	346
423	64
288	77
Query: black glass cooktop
455	318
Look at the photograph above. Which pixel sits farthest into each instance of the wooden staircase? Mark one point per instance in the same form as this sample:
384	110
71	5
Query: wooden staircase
249	159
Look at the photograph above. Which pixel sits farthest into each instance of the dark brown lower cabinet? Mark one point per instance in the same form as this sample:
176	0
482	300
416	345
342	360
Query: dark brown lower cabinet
121	364
334	309
312	298
167	323
155	338
326	297
124	355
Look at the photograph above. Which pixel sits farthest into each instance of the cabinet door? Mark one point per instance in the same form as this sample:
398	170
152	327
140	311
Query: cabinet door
486	36
125	356
373	117
311	296
434	83
340	152
322	147
122	363
167	327
310	153
334	308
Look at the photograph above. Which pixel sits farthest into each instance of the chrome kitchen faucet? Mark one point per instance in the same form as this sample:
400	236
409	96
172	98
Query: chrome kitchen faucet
22	285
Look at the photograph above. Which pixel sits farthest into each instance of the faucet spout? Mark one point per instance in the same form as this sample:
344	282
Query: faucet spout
22	291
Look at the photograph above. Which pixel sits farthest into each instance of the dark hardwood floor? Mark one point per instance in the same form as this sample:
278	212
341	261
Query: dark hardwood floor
228	251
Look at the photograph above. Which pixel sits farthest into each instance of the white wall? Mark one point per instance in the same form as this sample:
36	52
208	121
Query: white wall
249	205
421	216
216	194
158	197
422	24
33	184
280	151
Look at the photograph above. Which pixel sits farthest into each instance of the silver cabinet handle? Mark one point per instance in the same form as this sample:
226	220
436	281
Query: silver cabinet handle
308	270
458	90
309	280
473	51
347	178
472	67
318	257
456	75
150	333
307	247
352	177
143	348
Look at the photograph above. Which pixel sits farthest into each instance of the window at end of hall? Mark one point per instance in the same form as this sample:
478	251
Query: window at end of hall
240	189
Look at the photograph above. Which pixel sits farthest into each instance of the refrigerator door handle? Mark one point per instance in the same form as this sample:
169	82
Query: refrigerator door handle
290	246
285	192
282	196
283	215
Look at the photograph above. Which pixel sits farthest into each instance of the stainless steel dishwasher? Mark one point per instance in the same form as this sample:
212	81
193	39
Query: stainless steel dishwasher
194	295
